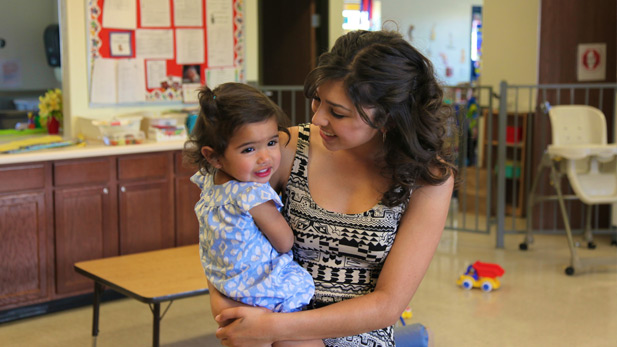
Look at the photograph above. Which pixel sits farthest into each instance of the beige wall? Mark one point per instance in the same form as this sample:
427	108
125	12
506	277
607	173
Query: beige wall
510	50
510	46
75	71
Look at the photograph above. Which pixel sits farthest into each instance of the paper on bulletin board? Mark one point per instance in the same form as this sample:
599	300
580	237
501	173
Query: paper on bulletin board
154	43
156	71
117	81
591	62
120	14
155	13
188	13
190	46
214	77
131	81
219	19
103	88
190	93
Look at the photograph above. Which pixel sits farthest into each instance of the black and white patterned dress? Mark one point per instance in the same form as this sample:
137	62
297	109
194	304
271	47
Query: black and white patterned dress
343	252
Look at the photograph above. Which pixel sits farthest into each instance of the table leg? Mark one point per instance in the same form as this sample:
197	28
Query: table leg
98	289
156	324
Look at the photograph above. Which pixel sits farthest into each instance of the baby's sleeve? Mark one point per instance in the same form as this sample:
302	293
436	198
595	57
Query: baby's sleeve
198	178
256	194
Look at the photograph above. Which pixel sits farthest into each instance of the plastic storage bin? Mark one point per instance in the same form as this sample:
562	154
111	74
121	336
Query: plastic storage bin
121	131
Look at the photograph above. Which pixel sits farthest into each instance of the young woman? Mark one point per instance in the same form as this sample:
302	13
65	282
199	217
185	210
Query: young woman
366	189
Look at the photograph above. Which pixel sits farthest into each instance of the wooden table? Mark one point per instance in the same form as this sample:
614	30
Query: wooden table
150	277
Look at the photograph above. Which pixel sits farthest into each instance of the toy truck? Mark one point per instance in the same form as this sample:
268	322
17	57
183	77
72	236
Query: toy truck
481	275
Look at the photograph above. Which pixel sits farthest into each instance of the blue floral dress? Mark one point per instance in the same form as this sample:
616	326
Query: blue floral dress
237	258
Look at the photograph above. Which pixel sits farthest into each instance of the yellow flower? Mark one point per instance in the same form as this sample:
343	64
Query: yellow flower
50	104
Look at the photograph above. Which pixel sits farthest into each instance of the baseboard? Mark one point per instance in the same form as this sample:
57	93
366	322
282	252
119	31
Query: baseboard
55	306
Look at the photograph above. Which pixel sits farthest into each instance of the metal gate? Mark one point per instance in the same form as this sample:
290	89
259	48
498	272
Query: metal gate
497	140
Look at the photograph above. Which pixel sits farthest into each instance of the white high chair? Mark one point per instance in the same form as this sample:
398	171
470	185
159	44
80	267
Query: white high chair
579	150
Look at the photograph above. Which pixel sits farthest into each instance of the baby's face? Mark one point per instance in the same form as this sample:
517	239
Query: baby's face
253	153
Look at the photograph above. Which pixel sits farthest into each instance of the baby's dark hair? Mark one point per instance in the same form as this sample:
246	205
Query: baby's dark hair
380	70
222	111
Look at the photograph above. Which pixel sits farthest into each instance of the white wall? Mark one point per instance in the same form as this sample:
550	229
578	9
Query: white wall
441	31
22	24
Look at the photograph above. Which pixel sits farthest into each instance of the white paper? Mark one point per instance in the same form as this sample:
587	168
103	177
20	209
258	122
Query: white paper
190	46
188	13
103	81
214	77
219	19
154	43
190	92
591	64
156	72
10	73
120	44
120	14
155	13
131	81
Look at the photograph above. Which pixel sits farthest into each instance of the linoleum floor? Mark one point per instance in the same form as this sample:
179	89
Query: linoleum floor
537	305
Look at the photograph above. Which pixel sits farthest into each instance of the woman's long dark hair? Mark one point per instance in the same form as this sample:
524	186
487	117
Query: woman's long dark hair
382	71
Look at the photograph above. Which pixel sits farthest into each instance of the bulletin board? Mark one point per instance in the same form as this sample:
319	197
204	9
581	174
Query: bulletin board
153	51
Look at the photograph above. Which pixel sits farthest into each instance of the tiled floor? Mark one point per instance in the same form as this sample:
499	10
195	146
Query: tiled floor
538	305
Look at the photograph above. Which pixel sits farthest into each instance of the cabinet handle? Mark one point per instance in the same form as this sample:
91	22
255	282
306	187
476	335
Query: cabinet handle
122	189
105	191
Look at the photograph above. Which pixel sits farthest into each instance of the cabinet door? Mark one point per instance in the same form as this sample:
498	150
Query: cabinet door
22	249
187	226
146	216
187	195
86	228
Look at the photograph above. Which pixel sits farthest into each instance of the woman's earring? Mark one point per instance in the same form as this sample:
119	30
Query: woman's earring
383	137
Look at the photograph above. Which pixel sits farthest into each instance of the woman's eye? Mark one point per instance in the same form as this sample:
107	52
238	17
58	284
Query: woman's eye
336	115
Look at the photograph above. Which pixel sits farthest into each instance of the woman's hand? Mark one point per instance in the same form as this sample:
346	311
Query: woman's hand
244	326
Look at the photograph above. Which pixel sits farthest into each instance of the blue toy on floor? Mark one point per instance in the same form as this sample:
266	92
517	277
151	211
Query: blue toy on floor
412	335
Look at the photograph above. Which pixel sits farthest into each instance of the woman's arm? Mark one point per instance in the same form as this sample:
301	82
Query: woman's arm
272	224
416	240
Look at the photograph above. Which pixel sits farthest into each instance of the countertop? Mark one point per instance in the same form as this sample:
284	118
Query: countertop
91	149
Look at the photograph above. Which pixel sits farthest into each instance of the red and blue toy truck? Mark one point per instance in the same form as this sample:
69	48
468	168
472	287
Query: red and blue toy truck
481	275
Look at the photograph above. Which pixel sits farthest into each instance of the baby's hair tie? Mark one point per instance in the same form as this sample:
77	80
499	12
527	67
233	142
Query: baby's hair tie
213	97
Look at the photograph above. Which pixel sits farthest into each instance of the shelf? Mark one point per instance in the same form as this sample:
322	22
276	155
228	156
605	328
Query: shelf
516	138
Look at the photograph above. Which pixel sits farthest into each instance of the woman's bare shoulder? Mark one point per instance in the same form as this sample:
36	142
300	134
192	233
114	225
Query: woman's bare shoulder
288	144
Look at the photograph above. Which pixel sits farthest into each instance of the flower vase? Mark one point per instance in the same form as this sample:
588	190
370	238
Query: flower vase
53	126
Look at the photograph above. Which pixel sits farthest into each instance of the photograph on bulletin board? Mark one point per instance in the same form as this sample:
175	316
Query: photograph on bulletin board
149	51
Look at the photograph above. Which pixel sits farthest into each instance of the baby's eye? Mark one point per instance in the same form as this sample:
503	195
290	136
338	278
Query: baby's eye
248	150
272	143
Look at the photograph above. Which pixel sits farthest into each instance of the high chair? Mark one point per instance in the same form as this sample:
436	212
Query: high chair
579	150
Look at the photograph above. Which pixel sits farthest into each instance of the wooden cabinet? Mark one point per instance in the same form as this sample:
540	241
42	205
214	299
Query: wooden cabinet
85	218
146	202
187	195
23	234
54	214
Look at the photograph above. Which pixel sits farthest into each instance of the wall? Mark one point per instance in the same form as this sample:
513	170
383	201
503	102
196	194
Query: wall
441	31
22	25
510	49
